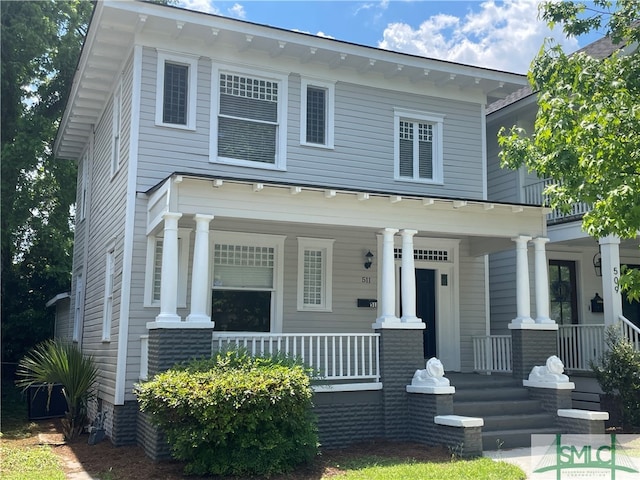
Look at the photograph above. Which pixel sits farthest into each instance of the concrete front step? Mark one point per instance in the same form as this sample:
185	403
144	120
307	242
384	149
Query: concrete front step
503	439
496	407
490	394
531	421
464	381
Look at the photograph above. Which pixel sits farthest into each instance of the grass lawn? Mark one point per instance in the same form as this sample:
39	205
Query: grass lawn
22	457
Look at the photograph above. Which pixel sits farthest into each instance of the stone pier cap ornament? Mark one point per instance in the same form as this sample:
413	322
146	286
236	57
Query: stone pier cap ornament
549	375
431	376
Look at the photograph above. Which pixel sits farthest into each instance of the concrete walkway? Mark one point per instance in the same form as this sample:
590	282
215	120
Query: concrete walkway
517	456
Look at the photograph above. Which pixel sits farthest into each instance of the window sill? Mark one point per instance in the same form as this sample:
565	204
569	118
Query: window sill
176	126
317	145
315	310
419	180
246	163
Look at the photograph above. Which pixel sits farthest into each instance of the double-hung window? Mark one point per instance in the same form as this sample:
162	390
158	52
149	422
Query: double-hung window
154	268
315	260
109	283
316	115
418	146
247	282
249	120
116	130
176	91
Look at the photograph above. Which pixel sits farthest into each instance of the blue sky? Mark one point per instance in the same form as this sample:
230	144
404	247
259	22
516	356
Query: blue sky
504	35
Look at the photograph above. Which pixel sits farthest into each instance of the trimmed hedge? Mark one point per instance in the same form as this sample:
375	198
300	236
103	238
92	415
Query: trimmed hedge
234	414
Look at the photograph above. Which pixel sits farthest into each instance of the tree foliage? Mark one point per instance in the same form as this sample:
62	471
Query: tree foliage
41	42
587	130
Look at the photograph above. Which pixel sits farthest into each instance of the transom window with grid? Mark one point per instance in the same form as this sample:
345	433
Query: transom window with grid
418	152
248	119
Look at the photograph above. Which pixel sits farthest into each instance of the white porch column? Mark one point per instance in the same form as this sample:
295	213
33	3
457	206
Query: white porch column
388	279
200	275
541	281
612	299
523	301
169	277
408	278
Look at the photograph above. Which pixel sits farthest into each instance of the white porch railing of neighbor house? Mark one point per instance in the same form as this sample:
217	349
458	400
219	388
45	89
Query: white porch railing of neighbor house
533	195
492	353
630	332
349	357
579	345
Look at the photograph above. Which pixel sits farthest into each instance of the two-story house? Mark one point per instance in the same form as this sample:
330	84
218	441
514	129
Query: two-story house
243	183
583	271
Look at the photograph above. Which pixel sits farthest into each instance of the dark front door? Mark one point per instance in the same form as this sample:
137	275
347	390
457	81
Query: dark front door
426	308
563	292
631	308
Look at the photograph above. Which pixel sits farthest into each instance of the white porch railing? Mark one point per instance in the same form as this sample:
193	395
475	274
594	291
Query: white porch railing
336	357
630	332
533	195
579	345
492	353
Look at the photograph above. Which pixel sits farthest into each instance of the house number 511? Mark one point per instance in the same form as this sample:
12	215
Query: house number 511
616	279
366	279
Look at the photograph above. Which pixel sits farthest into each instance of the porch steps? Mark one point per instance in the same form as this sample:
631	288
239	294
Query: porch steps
510	415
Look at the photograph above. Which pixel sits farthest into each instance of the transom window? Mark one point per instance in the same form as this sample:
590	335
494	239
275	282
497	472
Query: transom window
176	91
418	147
316	116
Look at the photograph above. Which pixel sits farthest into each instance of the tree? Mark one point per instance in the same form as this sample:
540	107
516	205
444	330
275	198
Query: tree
41	42
587	130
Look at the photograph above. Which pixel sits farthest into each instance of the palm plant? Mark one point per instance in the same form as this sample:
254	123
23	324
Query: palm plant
55	362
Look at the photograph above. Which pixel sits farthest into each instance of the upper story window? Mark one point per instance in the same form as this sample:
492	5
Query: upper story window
250	122
418	146
176	91
316	116
81	209
109	281
116	129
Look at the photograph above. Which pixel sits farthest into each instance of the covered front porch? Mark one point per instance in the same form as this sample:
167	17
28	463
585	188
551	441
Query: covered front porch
299	256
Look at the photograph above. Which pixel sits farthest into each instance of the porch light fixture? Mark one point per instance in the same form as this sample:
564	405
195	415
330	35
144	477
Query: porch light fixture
368	260
597	263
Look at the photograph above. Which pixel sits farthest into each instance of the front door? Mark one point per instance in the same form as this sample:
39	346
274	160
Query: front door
426	308
563	290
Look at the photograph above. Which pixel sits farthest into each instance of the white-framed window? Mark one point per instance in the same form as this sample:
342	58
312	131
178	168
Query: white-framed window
176	85
116	129
317	103
249	118
315	274
154	268
418	146
109	281
247	288
78	308
84	180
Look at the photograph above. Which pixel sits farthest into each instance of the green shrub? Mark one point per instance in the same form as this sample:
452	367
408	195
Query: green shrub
618	373
234	414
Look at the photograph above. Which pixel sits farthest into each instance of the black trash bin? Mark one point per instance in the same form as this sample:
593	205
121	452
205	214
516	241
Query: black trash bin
37	396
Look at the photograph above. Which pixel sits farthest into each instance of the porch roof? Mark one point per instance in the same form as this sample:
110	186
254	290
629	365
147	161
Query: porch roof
492	224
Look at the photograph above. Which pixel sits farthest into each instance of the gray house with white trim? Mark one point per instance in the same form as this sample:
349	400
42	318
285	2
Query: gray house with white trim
243	183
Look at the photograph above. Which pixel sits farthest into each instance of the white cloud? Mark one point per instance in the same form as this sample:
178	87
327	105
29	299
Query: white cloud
237	11
504	36
205	6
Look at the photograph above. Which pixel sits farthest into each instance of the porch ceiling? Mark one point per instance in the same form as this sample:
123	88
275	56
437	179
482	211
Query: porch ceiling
491	225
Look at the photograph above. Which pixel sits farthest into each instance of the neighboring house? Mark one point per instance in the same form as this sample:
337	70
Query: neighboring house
583	272
235	177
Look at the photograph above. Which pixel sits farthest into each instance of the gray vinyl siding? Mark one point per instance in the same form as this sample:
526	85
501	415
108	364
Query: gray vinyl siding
502	183
502	279
364	140
105	228
472	303
64	320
